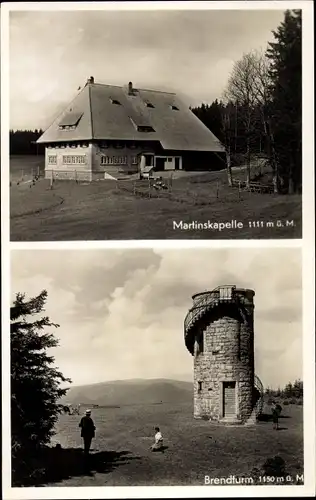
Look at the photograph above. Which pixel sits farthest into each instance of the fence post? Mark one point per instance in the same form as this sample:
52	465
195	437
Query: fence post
148	187
51	179
75	175
217	190
238	190
22	174
38	171
134	187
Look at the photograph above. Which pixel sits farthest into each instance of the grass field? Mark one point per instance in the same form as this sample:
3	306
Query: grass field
110	210
193	448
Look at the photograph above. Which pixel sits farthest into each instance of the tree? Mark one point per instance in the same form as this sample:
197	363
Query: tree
288	390
216	118
35	382
240	93
227	127
23	142
285	55
261	87
298	389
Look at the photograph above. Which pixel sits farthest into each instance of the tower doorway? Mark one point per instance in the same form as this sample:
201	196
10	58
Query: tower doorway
229	399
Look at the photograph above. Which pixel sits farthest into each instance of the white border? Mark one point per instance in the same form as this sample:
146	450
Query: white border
307	245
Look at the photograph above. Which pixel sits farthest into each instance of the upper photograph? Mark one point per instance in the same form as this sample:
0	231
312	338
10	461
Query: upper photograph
155	124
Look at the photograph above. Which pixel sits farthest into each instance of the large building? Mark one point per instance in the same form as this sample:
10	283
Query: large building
108	130
219	333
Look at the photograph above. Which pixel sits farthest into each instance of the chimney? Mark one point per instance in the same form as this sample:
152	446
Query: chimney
130	88
90	80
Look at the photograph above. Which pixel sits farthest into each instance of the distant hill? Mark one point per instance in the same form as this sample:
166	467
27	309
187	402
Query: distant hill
131	392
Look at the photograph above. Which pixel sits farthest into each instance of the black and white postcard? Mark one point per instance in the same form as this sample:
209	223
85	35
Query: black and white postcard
158	254
157	123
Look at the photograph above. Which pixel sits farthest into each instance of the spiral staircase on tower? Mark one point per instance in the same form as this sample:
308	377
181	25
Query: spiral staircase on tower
196	320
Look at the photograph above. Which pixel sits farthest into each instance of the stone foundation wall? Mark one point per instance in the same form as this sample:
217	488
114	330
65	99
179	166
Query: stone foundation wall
77	175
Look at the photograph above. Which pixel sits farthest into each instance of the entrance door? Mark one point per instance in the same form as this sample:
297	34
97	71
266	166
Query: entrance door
149	160
229	399
160	163
177	163
169	165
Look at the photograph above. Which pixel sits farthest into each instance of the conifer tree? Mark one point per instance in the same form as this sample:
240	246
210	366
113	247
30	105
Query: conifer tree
286	99
35	382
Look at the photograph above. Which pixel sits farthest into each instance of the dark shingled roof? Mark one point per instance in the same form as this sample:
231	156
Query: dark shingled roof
109	112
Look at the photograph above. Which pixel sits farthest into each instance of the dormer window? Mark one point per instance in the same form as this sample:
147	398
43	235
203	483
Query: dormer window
142	127
70	120
145	128
115	101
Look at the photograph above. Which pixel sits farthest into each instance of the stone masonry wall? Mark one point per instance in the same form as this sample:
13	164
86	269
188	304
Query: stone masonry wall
224	353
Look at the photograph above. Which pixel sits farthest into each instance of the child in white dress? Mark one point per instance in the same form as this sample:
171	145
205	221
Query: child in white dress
158	444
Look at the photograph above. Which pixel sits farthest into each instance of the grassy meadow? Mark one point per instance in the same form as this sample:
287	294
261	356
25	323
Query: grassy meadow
120	454
110	210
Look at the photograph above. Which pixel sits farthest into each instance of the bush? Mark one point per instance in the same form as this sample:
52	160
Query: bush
238	159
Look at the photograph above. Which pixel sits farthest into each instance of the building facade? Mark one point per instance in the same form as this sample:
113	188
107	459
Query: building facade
108	131
219	333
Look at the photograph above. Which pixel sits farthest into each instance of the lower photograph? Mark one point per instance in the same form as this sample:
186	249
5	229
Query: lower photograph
166	367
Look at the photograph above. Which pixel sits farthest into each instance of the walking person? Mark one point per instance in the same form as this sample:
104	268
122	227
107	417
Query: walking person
275	415
87	432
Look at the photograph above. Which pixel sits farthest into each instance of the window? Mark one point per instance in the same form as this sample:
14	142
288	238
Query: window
134	160
115	101
149	104
169	160
200	384
113	160
145	128
74	159
141	124
70	120
175	108
52	159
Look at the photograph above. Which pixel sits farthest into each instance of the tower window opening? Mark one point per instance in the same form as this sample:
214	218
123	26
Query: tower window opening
200	385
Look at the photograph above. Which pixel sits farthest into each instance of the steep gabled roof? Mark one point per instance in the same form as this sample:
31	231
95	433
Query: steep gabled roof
109	112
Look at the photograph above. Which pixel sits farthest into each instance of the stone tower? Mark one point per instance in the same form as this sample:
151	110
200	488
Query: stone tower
219	333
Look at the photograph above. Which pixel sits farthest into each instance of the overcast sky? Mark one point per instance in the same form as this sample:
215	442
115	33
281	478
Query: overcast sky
121	312
189	52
